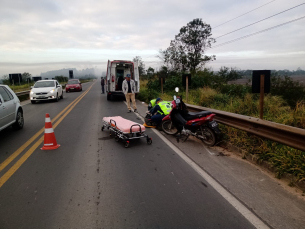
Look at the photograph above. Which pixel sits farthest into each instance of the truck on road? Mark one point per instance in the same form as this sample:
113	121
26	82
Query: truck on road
116	73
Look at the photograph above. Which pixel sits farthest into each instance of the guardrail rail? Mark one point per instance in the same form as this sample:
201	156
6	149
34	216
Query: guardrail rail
22	93
288	135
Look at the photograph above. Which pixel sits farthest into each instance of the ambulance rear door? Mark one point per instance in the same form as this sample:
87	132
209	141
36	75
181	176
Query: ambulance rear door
136	77
108	74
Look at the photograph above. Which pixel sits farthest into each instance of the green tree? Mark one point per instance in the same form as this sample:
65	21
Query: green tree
141	65
187	51
150	71
163	72
228	74
6	80
25	76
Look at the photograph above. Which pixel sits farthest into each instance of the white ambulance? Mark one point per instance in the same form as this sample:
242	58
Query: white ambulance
116	73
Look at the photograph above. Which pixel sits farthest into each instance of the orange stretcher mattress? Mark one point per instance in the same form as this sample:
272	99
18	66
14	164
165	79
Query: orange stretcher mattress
124	124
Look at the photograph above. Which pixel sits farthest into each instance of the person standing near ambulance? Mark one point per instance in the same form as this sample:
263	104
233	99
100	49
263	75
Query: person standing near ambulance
103	85
129	87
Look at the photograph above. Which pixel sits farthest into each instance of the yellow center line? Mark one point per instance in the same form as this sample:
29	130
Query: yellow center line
17	165
21	148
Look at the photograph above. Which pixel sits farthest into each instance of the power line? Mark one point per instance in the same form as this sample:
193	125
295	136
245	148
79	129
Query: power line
252	34
260	20
242	14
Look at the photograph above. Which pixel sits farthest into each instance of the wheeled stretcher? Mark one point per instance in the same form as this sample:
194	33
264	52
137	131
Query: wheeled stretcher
125	129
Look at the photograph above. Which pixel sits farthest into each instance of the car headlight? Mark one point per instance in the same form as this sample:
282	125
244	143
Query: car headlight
31	93
52	91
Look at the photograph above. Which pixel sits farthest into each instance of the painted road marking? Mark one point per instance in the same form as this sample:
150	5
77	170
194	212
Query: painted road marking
240	207
17	165
21	148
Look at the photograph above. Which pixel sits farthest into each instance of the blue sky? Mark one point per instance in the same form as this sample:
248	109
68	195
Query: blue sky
42	35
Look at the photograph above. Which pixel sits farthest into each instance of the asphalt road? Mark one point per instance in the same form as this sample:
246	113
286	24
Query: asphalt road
92	181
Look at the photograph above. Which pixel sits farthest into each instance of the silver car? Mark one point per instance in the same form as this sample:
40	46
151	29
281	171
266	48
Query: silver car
11	113
46	90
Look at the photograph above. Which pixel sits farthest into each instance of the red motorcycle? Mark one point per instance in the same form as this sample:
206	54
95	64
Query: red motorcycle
198	124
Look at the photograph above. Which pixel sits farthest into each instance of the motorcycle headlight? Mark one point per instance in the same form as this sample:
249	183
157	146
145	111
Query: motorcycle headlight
52	91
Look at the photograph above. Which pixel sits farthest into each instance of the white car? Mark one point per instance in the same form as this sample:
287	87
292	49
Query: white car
11	113
46	90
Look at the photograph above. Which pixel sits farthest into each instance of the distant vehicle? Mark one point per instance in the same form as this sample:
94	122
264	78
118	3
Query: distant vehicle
46	90
11	113
74	85
116	73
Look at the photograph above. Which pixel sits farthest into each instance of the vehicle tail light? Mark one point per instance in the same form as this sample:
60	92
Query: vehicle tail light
112	78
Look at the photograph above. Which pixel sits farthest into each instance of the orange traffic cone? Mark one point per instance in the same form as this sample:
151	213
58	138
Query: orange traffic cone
49	136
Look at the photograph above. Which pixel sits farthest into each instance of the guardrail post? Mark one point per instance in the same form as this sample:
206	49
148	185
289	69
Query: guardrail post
187	88
261	98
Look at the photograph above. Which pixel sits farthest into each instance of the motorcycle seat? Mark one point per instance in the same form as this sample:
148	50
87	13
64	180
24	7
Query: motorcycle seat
194	115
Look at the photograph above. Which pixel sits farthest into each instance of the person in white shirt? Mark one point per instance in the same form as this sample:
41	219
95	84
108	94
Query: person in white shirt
129	87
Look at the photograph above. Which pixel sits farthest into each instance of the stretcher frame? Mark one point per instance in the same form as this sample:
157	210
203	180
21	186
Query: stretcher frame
126	137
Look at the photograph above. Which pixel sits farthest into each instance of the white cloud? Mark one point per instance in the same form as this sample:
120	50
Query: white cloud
74	31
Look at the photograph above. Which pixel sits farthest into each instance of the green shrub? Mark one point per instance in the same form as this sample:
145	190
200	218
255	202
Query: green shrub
146	95
221	100
235	90
291	91
171	82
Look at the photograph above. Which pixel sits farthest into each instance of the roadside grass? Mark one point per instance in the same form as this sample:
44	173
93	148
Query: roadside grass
19	88
27	87
283	159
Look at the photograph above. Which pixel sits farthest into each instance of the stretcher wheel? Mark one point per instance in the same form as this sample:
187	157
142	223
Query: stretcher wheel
116	138
126	145
149	141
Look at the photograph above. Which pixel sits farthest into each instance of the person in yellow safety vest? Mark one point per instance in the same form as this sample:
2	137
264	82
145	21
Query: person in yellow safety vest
152	104
162	109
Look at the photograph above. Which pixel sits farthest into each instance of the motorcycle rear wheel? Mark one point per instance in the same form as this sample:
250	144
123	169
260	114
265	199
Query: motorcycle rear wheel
209	135
169	128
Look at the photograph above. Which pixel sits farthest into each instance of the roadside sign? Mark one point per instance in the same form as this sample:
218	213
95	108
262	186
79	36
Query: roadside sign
256	80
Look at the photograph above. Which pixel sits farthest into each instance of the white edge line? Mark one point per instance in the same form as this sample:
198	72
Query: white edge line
209	151
242	209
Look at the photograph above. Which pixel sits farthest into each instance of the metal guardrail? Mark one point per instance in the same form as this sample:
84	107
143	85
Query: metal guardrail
22	93
288	135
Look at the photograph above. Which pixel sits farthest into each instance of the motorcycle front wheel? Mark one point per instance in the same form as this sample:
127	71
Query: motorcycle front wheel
169	128
208	134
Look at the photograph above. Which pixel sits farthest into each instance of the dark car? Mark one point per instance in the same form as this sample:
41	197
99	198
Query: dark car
74	85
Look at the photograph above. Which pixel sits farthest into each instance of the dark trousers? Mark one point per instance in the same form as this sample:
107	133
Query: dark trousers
157	118
103	89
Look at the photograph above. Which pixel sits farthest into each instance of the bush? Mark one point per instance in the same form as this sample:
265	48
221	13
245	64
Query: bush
221	100
290	90
202	79
202	96
146	95
299	115
172	82
235	90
